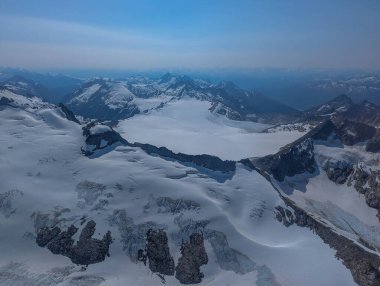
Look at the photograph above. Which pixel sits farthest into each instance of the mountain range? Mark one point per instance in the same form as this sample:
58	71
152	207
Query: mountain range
145	181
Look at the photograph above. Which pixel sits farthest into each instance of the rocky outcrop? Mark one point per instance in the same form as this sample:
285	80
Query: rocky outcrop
169	205
338	171
293	159
5	101
373	144
100	140
207	161
352	132
86	251
367	183
227	257
68	113
158	254
193	256
133	236
364	265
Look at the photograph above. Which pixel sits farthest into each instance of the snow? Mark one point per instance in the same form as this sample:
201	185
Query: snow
341	206
22	101
41	158
188	126
87	93
98	129
118	96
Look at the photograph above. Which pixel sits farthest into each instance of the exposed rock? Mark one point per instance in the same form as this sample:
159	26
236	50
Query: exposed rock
351	132
364	266
45	235
193	256
5	101
227	257
207	161
69	114
90	250
284	216
157	249
100	140
373	144
62	243
169	205
87	250
133	236
338	171
293	159
367	183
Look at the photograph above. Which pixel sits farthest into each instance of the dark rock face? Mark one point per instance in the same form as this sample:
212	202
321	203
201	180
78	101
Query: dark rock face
90	250
366	112
206	161
351	132
373	144
158	254
338	172
364	266
284	216
69	114
87	250
110	137
5	101
292	160
193	256
367	183
338	104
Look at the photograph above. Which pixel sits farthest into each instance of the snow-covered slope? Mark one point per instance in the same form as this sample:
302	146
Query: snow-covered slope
187	126
46	181
109	99
336	185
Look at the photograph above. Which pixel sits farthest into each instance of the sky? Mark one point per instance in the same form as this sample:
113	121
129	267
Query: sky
197	34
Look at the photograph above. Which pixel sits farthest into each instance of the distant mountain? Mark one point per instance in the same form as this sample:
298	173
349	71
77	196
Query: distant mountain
343	107
25	87
118	99
338	104
55	87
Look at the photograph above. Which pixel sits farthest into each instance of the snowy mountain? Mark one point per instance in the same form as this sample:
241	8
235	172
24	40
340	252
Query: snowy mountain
330	185
109	99
51	87
177	194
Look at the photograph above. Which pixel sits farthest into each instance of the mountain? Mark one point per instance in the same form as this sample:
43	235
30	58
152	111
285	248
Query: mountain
336	105
344	108
54	87
110	99
330	185
85	204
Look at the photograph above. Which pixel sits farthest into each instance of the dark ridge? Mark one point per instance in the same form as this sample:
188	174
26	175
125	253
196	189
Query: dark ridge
111	137
69	114
363	265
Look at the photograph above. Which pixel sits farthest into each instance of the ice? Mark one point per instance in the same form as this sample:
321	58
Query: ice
41	157
188	126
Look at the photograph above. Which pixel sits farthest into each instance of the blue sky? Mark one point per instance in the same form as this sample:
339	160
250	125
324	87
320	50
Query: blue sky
151	34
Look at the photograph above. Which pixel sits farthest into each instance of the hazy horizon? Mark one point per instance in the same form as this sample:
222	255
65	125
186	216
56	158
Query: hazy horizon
145	35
